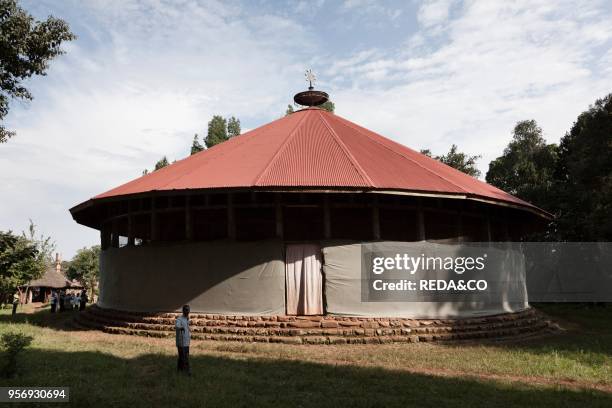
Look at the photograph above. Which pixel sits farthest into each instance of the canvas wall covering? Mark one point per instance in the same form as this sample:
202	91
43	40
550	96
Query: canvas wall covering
248	278
222	277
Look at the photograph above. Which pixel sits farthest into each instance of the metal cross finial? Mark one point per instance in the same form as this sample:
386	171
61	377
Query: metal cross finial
310	77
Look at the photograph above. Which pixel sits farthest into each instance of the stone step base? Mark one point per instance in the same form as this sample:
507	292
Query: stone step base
325	327
319	329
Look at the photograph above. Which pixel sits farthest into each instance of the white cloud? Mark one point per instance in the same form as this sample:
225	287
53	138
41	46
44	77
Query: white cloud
308	6
370	7
434	12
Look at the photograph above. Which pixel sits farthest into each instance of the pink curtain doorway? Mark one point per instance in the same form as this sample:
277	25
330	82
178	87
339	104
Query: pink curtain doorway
304	280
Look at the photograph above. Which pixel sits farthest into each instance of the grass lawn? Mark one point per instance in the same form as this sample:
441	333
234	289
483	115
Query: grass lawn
572	369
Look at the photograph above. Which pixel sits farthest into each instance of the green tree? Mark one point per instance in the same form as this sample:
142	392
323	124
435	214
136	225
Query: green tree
85	268
161	163
527	166
217	131
196	146
328	106
584	176
26	48
13	344
457	160
44	245
233	127
20	262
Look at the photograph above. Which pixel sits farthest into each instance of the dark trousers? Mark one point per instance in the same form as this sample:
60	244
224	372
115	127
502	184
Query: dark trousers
53	307
82	305
183	360
15	308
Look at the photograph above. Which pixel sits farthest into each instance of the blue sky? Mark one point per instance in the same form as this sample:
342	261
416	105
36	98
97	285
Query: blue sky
145	76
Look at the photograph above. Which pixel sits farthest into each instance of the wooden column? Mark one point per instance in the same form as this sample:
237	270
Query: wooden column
459	226
154	221
115	236
102	238
326	218
188	219
489	234
376	219
505	228
105	237
421	221
130	219
231	219
279	216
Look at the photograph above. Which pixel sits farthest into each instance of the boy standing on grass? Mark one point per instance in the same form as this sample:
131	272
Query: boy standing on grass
183	337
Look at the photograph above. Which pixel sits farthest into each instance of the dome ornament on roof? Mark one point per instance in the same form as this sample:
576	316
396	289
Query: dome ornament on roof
311	97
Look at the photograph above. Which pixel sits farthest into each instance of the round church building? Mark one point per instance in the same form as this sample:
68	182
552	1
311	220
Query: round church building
268	234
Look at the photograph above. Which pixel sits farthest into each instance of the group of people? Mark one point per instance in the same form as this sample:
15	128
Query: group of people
68	301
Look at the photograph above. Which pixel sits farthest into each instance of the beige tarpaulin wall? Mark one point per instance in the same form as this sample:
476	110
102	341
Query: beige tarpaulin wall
569	271
213	277
248	278
342	274
304	280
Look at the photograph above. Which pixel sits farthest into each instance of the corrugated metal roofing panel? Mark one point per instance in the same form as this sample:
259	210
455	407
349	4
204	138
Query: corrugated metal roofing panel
312	157
312	148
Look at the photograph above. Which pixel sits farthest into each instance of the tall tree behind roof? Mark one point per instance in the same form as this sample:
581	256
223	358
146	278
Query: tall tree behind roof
196	146
233	127
161	163
526	168
217	131
328	106
457	160
584	176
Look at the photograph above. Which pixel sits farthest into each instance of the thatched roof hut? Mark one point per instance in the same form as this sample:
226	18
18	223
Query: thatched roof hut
39	290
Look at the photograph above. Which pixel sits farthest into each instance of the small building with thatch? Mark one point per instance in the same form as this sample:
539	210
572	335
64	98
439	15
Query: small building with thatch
39	290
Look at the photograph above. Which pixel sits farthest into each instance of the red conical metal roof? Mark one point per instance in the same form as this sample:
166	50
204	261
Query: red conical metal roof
313	148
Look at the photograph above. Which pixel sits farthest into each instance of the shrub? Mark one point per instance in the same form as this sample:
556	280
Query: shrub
13	344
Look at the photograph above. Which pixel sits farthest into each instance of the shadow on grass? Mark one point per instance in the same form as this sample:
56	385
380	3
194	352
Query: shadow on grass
42	317
586	339
98	379
587	342
589	329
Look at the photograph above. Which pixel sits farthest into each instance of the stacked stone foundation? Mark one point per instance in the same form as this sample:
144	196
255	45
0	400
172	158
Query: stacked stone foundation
319	329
